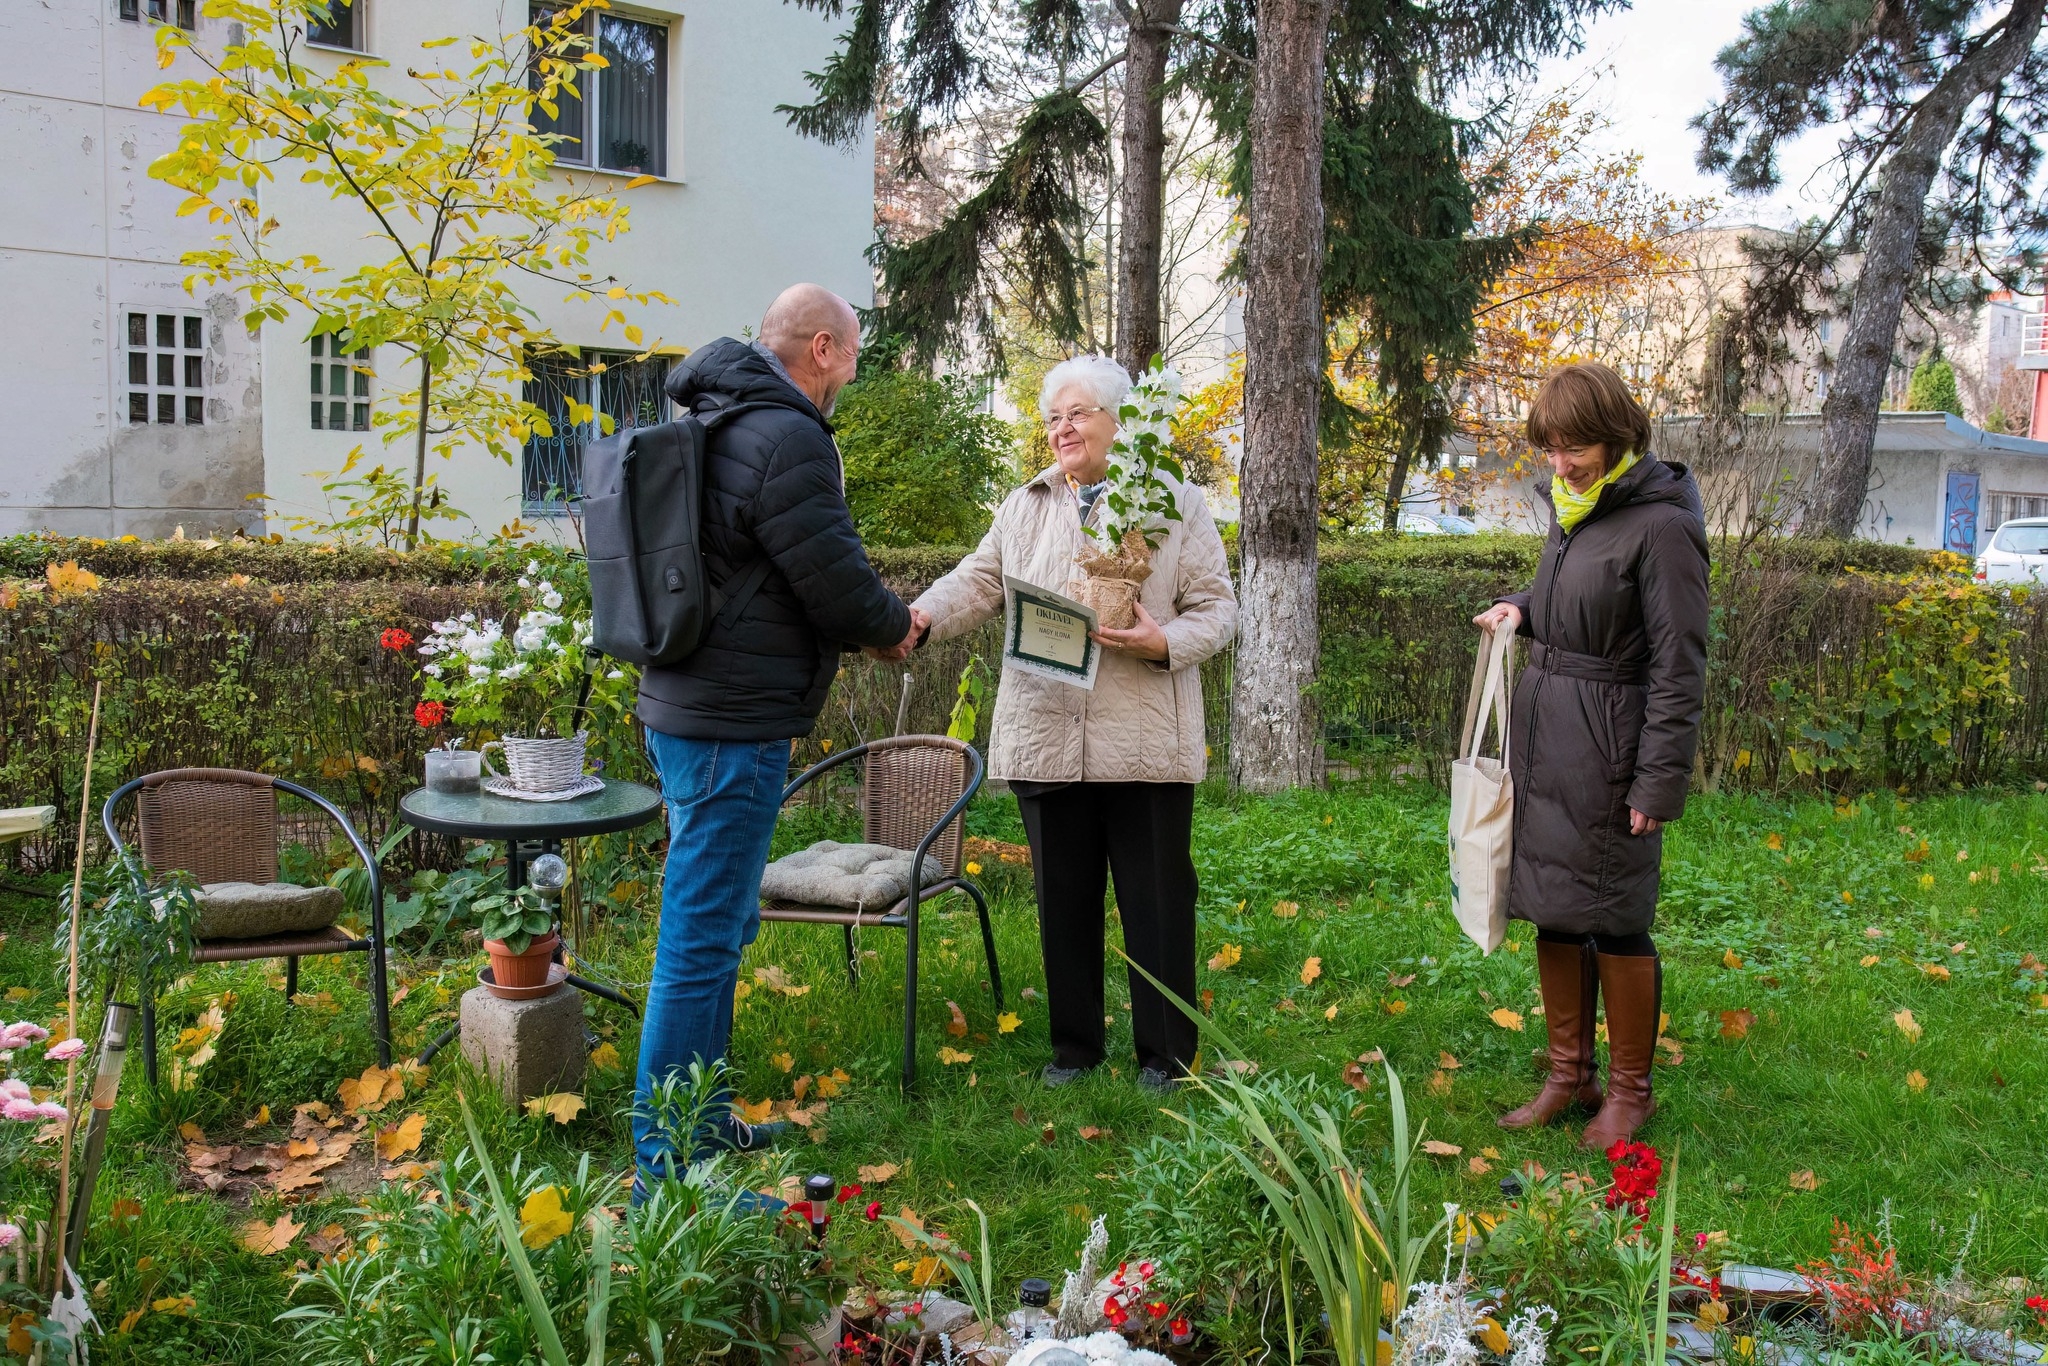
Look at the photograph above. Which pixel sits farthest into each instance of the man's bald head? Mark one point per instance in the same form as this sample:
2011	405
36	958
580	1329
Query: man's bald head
800	313
816	336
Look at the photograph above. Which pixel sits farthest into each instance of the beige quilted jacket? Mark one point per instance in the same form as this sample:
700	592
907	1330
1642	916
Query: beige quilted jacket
1143	720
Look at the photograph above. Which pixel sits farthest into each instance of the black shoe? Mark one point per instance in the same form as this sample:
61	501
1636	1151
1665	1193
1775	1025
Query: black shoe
1055	1076
1157	1082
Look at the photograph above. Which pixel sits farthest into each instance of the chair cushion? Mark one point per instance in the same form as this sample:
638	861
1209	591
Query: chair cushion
250	910
856	876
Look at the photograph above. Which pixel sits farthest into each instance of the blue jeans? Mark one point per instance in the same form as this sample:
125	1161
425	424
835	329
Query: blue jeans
722	799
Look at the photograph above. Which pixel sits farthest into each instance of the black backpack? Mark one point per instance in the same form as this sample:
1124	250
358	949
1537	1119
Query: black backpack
651	598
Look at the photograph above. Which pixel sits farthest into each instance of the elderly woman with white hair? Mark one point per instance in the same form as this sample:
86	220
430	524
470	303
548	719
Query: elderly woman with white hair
1104	777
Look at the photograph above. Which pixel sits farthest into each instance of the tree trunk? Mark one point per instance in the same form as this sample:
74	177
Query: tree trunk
1849	416
1397	484
1143	200
1275	735
419	455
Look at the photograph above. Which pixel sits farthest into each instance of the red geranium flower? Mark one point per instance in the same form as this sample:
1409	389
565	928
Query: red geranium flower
1156	1309
1636	1169
2039	1304
874	1211
1114	1310
395	638
1180	1329
430	713
847	1193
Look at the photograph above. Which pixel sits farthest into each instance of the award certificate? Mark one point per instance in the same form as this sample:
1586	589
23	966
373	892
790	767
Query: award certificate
1047	635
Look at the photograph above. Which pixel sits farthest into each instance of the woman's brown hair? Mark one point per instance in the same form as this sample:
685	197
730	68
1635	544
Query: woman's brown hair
1588	404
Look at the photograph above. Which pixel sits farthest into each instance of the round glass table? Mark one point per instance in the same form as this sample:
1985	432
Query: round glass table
528	830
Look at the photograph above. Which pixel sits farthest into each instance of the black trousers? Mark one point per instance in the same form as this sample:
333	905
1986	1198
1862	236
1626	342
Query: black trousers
1081	835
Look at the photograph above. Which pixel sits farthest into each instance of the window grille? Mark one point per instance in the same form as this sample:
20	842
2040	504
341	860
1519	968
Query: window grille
165	367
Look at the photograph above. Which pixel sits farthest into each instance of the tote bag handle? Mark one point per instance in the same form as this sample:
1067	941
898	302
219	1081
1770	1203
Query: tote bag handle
1487	699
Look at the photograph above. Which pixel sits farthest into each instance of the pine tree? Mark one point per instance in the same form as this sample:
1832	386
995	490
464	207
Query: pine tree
1941	104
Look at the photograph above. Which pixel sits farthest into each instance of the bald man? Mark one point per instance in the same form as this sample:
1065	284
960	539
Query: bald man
781	552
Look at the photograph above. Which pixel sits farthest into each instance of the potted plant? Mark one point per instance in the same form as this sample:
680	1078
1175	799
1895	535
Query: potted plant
1138	502
519	935
514	680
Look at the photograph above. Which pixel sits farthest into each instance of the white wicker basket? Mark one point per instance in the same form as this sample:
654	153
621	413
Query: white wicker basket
551	765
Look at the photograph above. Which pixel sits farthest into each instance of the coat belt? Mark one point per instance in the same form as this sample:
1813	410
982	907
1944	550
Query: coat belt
1593	668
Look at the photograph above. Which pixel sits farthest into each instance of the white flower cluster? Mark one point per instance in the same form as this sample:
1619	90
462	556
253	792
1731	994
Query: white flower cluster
1137	498
477	648
1443	1325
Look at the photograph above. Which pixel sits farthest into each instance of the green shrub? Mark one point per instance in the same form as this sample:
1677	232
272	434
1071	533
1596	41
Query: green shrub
924	463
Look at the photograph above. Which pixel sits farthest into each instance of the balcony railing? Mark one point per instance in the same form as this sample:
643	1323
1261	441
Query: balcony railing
2034	334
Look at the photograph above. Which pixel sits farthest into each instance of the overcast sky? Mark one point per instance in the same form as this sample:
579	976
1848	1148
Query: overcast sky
1655	66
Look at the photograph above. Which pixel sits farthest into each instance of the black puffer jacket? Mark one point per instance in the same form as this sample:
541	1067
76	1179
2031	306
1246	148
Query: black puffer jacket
1607	714
773	488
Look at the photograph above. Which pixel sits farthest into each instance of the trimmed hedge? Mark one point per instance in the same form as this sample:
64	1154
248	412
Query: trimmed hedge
263	655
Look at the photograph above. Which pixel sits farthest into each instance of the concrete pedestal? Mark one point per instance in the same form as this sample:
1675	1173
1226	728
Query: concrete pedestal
529	1048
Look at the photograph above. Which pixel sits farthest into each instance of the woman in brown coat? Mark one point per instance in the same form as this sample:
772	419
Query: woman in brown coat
1606	717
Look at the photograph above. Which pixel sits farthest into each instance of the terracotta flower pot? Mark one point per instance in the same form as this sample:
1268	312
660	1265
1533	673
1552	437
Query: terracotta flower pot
528	969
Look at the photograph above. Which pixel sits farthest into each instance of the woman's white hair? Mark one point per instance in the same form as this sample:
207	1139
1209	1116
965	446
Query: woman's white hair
1102	379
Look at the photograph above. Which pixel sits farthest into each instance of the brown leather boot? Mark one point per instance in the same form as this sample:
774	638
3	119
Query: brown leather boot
1633	987
1570	991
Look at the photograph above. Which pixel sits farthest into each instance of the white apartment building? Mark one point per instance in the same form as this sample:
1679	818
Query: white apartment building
140	407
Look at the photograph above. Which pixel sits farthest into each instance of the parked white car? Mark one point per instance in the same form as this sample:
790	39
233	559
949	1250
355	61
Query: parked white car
2018	553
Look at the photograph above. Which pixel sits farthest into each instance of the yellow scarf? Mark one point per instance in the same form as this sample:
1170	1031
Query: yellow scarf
1573	508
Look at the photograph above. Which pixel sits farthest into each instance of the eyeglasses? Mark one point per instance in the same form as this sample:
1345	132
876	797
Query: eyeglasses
1073	417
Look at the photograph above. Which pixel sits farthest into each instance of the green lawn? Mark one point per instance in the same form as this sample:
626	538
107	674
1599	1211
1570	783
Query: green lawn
1822	920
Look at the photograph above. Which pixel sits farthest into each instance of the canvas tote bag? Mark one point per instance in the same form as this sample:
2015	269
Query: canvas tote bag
1483	802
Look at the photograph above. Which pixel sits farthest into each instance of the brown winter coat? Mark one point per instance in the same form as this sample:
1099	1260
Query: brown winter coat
1142	723
1607	713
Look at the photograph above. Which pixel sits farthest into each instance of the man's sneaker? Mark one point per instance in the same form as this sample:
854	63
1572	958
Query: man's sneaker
1054	1076
1159	1083
737	1136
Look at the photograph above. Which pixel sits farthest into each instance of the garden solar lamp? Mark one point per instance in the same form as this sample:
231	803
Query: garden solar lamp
818	1192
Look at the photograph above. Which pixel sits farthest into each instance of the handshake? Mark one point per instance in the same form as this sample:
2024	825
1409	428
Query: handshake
895	654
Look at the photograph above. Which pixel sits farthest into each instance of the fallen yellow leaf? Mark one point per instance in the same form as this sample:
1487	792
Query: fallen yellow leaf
1937	971
783	1062
1447	1062
1438	1148
604	1057
753	1111
181	1305
1774	841
1870	960
876	1173
1916	1080
1908	1026
1735	1023
1729	959
1225	958
268	1239
396	1140
1286	910
1506	1019
1712	1315
1493	1335
1804	1181
1007	1022
1311	970
1439	1083
831	1083
950	1055
560	1106
542	1218
1330	1014
1397	1007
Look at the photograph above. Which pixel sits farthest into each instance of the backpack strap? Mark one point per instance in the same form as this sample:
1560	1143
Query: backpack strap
733	598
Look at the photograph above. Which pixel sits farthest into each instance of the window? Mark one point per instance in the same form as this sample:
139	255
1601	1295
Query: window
165	368
343	26
629	393
2007	507
186	11
621	111
341	386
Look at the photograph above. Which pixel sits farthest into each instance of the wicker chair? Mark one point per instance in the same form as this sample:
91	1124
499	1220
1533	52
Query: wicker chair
220	825
913	789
